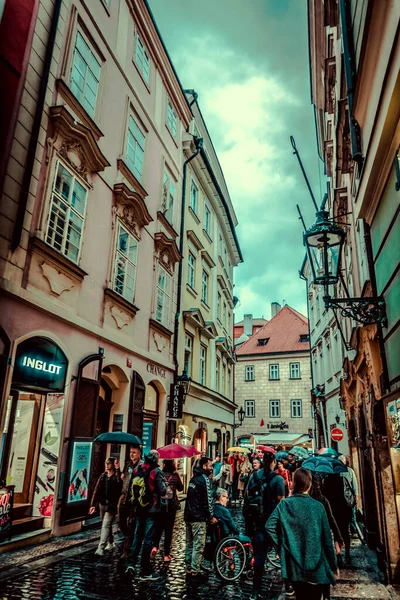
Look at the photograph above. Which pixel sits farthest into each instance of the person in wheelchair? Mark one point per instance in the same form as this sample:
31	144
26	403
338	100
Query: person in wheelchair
226	526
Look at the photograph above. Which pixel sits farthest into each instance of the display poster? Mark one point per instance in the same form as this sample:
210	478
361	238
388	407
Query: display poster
79	472
46	475
393	409
147	437
6	506
20	444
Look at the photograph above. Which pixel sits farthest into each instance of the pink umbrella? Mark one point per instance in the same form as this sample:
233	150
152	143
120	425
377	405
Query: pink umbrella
177	451
266	449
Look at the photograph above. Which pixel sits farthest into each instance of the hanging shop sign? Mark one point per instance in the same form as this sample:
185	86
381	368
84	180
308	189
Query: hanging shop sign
175	406
6	506
40	364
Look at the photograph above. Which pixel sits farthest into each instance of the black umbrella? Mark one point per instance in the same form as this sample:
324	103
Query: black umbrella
118	437
327	465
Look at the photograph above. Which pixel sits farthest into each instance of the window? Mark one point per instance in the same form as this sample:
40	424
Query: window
250	409
135	148
163	296
142	60
304	337
125	263
223	379
217	372
249	373
219	306
207	220
224	315
67	214
172	119
263	342
274	409
229	381
274	371
168	196
204	286
188	355
191	270
296	408
294	370
203	364
194	196
85	74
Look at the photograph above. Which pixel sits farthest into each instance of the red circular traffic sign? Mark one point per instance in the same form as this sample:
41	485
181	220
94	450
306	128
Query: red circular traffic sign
337	434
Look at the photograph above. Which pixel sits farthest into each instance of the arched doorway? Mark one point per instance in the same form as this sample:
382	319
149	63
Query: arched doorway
200	438
99	451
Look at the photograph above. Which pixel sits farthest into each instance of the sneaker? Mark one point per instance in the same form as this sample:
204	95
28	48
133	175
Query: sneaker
130	570
289	590
110	546
153	553
149	577
99	552
167	559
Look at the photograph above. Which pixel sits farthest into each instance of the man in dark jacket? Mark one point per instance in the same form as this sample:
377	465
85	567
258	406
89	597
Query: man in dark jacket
146	509
198	513
106	494
127	517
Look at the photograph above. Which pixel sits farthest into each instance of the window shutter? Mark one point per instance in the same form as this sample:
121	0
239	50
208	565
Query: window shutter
86	397
136	405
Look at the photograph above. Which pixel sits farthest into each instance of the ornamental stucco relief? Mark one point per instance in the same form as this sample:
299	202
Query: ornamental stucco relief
57	280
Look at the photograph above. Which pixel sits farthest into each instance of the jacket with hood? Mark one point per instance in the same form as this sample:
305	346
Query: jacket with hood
198	506
155	482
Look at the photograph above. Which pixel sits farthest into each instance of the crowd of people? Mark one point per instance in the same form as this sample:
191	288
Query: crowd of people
306	518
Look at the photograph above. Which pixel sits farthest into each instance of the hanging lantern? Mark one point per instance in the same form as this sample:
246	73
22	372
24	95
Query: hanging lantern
324	242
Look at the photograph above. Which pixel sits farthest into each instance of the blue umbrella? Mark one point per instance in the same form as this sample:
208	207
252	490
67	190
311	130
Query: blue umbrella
328	452
118	437
299	451
281	454
327	465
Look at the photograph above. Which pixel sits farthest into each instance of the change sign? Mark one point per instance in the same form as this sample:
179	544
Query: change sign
175	401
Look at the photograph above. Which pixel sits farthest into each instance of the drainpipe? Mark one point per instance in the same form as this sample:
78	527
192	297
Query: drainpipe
30	159
199	144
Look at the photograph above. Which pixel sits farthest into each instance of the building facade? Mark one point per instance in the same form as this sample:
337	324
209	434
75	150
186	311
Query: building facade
273	383
355	59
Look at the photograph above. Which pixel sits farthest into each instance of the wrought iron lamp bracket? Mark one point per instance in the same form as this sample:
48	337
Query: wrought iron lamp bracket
367	311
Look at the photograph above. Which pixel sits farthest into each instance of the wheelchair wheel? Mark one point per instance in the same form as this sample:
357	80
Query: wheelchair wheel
273	560
230	559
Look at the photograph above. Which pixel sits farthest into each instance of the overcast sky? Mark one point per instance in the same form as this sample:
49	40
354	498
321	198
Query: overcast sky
248	61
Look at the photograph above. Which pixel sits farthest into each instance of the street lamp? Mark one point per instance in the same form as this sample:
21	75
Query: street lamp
241	415
184	381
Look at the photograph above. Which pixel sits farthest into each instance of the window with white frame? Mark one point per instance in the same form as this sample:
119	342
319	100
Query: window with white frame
296	407
125	263
168	196
207	220
67	213
188	355
191	270
85	74
142	59
250	409
194	196
205	278
274	371
249	373
223	377
163	296
229	381
203	364
274	409
172	119
135	148
219	306
224	315
217	372
294	370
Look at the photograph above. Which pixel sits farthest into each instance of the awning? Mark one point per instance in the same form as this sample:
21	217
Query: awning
281	437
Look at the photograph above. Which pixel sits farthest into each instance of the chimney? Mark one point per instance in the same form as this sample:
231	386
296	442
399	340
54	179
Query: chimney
248	325
275	308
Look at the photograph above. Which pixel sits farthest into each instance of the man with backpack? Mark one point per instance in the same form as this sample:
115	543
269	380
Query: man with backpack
127	517
146	488
264	491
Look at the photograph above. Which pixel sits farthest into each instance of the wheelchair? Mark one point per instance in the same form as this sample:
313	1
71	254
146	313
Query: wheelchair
234	556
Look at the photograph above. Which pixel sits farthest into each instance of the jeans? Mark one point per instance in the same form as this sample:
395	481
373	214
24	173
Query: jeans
260	547
144	534
106	534
165	522
195	542
307	591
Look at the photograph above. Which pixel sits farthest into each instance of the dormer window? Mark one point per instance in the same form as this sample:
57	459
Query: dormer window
263	342
304	337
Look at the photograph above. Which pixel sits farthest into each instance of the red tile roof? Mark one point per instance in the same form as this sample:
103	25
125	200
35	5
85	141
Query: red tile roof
283	331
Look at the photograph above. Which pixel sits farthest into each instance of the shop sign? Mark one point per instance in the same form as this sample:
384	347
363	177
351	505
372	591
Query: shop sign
156	370
78	484
281	426
175	407
6	506
147	437
40	364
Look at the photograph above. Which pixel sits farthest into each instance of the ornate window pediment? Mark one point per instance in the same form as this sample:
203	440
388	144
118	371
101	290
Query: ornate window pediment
194	317
131	209
167	251
75	143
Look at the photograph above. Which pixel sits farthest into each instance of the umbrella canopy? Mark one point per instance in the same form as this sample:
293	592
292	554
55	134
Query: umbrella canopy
328	452
327	465
118	437
299	451
177	451
238	449
281	454
266	449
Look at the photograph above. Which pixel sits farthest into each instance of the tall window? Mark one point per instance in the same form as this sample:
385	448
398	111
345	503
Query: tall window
274	371
223	377
142	59
168	196
191	270
125	263
163	296
274	409
207	220
249	373
224	315
194	196
204	286
188	354
220	245
135	148
67	214
229	381
85	74
217	372
172	119
250	409
219	306
296	408
294	370
203	364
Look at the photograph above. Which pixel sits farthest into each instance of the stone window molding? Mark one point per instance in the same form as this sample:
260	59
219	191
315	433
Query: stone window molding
167	252
131	209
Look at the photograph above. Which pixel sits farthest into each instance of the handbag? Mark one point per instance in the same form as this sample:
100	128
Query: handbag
244	477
